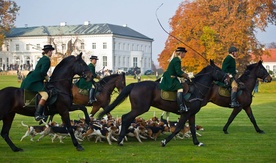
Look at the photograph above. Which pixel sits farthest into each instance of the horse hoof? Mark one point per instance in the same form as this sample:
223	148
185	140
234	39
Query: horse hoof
200	145
120	144
79	148
18	150
225	132
163	143
261	132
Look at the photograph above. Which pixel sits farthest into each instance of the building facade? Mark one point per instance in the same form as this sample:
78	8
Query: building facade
116	46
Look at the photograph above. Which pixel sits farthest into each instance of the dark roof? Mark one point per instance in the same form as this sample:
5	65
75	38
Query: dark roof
90	29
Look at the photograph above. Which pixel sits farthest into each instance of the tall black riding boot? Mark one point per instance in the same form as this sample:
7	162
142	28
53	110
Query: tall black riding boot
39	111
234	102
182	107
92	96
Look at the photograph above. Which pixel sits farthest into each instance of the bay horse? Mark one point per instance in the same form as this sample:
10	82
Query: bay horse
105	87
249	77
143	95
12	98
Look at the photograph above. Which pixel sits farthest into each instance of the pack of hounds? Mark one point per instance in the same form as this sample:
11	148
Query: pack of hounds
108	129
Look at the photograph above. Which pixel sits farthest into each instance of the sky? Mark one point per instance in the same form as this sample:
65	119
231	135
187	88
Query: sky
137	14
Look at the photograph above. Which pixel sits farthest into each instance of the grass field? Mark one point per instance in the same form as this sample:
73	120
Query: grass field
243	144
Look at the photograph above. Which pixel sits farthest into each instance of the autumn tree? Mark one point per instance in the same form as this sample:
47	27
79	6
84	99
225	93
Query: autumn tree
8	12
208	28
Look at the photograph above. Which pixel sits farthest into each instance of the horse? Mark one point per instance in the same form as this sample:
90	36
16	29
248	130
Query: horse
105	87
13	98
144	94
249	77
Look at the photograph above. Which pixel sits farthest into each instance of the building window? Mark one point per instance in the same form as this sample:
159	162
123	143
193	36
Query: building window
134	61
94	45
82	45
17	47
28	46
274	69
104	60
8	48
38	47
1	62
63	47
104	45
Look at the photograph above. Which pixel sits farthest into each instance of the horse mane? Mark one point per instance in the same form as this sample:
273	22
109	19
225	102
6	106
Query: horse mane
106	79
61	64
201	73
247	71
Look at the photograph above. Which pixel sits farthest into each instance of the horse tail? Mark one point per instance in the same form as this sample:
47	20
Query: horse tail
122	96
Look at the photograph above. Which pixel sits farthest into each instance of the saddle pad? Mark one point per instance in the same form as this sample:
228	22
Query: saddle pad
29	98
83	92
168	95
226	93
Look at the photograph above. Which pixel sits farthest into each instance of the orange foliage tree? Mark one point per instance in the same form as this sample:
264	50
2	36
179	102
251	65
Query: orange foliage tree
8	12
211	27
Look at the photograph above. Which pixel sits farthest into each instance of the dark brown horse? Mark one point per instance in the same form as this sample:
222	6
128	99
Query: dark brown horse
144	94
105	88
249	78
12	99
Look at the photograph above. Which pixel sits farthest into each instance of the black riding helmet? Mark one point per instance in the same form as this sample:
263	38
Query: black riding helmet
232	49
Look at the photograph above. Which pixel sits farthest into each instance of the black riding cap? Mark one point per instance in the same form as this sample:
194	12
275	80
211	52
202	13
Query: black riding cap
181	49
48	47
94	57
232	49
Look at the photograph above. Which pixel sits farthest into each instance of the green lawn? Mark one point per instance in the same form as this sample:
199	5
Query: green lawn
242	144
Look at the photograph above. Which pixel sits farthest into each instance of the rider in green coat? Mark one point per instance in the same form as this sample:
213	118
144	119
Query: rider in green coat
229	66
170	82
34	81
83	84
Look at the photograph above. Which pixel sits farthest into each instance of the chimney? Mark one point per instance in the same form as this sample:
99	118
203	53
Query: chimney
86	23
63	24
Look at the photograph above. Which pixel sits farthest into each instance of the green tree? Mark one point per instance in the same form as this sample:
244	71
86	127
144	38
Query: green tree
211	27
8	12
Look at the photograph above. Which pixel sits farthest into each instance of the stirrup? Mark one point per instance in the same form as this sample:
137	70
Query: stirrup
183	108
234	104
92	101
40	117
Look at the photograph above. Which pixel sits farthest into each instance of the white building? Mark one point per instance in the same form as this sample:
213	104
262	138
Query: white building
116	46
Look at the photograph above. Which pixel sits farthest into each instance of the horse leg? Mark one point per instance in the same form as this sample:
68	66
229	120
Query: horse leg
66	119
193	131
7	122
84	110
234	113
127	119
250	115
179	126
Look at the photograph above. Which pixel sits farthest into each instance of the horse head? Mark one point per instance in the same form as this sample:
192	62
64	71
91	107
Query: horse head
114	80
262	72
81	68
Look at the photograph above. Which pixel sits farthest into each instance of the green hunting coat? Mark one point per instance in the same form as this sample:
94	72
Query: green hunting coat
229	65
34	80
170	82
82	83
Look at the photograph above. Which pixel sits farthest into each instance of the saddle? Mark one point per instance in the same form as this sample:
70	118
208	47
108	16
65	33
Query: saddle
31	98
171	95
226	90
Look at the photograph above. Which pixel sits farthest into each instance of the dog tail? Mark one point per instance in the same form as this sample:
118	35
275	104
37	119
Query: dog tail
44	123
122	96
24	124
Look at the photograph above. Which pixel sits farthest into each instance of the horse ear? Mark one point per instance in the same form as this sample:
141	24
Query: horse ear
79	56
212	62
